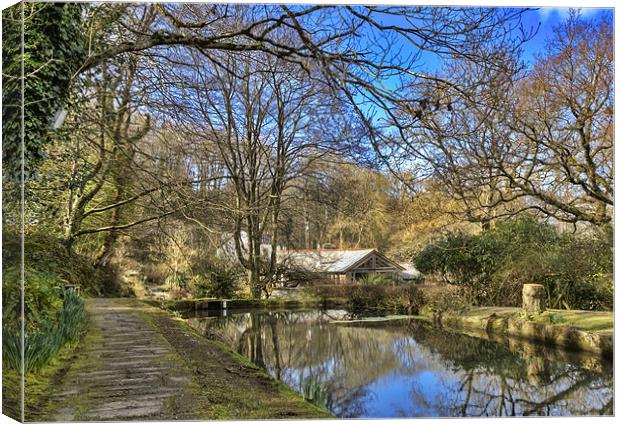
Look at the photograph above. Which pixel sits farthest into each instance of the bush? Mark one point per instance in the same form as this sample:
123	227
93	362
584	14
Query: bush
376	280
400	299
53	316
445	299
42	299
217	278
365	297
492	266
404	299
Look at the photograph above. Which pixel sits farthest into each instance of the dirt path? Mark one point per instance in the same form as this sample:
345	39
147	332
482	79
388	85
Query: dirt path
138	362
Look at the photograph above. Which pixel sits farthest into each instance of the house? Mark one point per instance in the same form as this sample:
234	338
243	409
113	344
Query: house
226	250
343	266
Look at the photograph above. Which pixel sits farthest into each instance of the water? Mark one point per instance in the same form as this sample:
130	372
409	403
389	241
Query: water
411	369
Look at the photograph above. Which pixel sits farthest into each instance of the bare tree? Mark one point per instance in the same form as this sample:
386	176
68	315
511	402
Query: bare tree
538	140
256	117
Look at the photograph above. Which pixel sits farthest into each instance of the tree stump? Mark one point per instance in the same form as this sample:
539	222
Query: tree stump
534	298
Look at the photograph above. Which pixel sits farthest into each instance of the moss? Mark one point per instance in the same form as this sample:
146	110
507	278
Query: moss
572	330
11	394
583	320
226	384
40	385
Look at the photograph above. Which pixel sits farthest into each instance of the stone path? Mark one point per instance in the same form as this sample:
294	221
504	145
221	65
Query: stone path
137	362
125	370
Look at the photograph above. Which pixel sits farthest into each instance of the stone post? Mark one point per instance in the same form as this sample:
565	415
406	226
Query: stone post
534	298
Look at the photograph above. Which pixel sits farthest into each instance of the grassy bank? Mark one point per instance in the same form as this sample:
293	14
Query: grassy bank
39	384
229	385
568	329
55	317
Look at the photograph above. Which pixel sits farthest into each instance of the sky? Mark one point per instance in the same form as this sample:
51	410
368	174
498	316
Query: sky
548	18
543	18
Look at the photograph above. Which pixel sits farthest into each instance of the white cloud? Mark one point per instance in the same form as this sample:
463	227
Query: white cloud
562	12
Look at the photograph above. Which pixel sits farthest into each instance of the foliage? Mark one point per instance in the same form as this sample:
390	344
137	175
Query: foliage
48	268
376	279
493	265
217	278
53	51
405	298
445	299
53	316
44	344
41	298
362	297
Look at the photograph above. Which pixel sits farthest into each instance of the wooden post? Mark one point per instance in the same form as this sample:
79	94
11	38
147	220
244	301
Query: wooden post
534	298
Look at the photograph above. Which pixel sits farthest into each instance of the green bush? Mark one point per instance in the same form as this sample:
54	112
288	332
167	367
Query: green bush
404	299
365	297
217	278
492	266
376	280
42	299
445	299
401	299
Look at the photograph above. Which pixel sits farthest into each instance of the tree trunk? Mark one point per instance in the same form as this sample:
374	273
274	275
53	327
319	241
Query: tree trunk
254	281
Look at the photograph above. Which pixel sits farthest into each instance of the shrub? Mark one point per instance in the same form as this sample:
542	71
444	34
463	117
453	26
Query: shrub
404	299
493	265
360	297
42	299
445	299
217	278
376	280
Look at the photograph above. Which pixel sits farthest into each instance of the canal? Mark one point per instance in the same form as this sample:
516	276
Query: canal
407	368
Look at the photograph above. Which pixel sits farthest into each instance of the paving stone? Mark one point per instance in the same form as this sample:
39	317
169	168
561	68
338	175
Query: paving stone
131	376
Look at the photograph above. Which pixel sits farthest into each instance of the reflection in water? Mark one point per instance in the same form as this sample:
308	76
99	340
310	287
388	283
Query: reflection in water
409	369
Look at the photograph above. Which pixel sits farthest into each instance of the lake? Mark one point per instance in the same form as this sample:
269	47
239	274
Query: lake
408	368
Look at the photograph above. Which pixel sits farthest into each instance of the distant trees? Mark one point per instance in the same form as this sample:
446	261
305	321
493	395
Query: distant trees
260	119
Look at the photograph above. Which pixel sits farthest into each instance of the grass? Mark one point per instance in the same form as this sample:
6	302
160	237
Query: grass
39	384
229	385
591	321
596	322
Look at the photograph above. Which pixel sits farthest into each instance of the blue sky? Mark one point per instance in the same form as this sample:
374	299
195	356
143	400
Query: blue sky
549	17
544	18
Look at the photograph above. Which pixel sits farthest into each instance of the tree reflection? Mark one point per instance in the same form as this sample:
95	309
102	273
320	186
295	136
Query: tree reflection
355	370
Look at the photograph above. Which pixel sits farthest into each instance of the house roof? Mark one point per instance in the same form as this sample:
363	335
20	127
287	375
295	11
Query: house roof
333	261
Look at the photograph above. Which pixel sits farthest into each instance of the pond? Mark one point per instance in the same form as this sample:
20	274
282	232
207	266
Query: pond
408	368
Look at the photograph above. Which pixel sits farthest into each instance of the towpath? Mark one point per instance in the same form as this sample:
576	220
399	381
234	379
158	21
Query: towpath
139	362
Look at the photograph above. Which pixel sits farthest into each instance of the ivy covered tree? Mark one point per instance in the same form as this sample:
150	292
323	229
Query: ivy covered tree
53	49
